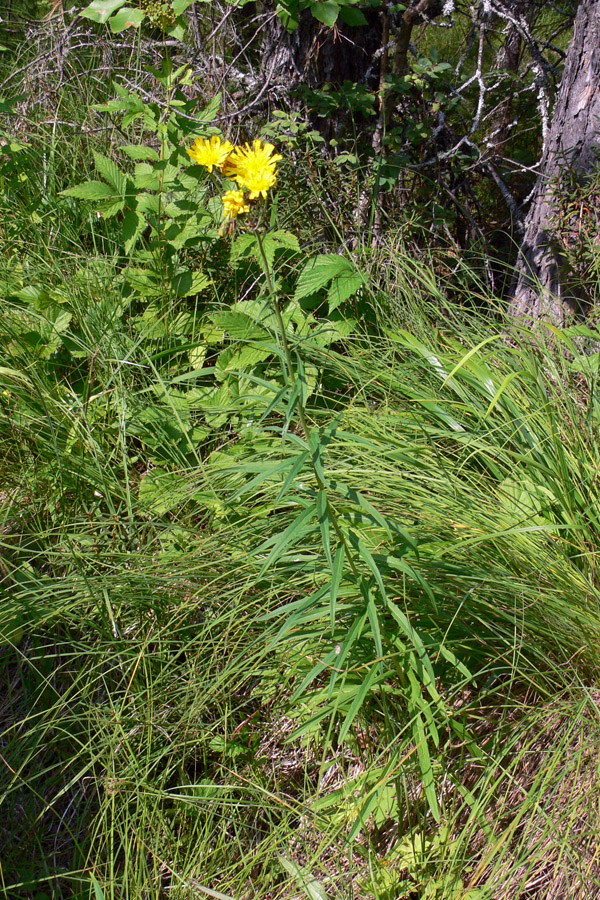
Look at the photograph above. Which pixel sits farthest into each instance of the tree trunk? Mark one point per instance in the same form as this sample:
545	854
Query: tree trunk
314	54
573	143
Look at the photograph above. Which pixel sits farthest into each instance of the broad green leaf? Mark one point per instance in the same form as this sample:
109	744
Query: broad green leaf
191	283
243	246
318	272
325	11
180	6
126	17
133	225
343	287
210	111
140	152
110	209
110	172
100	10
234	360
90	190
286	239
239	325
352	16
148	203
145	177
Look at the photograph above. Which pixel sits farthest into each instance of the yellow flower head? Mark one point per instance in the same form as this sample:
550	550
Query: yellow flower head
253	168
210	153
234	203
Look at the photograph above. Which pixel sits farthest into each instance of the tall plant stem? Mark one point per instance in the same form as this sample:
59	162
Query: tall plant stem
290	373
291	378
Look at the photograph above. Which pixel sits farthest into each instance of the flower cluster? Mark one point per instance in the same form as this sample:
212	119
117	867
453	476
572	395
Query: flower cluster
252	167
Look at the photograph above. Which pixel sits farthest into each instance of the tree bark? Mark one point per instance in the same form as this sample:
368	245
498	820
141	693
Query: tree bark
540	290
314	54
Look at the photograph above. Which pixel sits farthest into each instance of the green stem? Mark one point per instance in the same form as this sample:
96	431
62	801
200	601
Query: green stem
291	379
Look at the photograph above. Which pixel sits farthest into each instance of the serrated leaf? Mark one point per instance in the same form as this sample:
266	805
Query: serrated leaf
108	210
90	190
148	203
100	10
286	239
188	283
239	325
139	152
161	491
242	247
318	272
110	172
343	287
145	177
126	17
133	225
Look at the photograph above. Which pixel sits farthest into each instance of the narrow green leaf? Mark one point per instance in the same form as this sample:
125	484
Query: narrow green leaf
337	570
505	383
356	629
323	517
287	538
292	474
358	701
313	888
98	892
316	446
425	765
468	356
268	471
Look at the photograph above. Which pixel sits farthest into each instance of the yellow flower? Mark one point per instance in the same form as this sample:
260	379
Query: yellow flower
234	203
253	168
210	153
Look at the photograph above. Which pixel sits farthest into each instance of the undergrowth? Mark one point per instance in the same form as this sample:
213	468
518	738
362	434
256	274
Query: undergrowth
298	551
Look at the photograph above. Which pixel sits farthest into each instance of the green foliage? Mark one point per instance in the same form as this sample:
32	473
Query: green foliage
294	597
